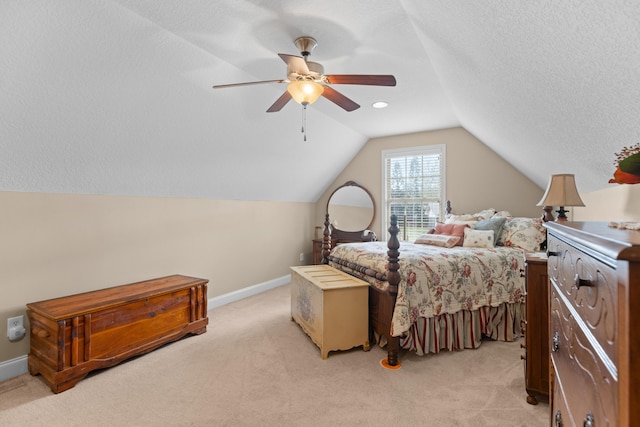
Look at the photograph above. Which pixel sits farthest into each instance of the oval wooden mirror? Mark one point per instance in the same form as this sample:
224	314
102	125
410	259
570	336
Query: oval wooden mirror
351	211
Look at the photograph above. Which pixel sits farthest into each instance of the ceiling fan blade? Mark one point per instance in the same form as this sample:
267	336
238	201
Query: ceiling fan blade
280	102
247	83
339	99
297	64
361	79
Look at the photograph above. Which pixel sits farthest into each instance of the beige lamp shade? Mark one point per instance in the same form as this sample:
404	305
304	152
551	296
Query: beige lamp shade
305	92
561	191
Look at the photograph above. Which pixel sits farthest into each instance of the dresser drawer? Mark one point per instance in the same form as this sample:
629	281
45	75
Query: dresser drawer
560	413
579	367
590	287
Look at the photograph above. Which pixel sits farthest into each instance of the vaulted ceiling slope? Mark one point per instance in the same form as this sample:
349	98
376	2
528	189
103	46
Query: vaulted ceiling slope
115	97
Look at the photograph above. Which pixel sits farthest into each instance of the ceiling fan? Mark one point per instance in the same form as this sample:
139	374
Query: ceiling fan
307	81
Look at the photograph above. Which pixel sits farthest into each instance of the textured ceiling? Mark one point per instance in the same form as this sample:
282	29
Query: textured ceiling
114	96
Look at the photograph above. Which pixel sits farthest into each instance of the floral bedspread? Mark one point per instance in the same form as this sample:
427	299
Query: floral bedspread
436	280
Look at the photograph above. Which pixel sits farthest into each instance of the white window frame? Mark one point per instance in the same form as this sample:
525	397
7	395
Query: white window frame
436	149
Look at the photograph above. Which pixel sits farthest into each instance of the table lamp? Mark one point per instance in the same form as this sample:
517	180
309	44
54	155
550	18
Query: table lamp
561	192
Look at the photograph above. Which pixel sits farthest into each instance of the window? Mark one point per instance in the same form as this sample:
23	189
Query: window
413	189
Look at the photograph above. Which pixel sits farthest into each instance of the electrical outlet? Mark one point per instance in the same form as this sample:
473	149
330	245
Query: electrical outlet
301	256
15	328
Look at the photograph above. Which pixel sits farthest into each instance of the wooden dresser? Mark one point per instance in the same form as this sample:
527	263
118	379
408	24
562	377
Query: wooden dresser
536	329
594	316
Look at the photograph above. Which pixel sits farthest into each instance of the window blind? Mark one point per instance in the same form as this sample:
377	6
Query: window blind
414	182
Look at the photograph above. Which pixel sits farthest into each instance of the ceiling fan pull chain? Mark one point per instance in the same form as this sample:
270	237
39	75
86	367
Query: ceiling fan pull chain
304	122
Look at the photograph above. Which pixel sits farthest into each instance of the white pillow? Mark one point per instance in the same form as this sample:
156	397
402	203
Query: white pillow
524	233
486	213
470	219
478	238
454	221
450	219
438	240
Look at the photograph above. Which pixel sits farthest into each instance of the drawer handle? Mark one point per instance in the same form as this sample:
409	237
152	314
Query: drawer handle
589	421
579	282
555	345
553	253
558	420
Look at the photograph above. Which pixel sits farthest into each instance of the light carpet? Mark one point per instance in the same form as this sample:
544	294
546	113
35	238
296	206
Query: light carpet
254	366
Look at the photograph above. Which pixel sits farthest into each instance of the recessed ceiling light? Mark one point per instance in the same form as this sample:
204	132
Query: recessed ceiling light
380	104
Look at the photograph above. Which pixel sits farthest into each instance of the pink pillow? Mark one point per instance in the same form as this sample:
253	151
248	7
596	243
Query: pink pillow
451	230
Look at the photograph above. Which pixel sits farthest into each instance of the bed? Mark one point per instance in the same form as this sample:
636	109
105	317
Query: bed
434	294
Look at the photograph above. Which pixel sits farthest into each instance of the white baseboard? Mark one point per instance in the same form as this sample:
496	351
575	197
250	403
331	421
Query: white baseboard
247	292
19	365
13	368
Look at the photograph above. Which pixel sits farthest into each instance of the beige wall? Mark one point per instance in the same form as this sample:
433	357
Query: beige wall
54	245
477	178
616	203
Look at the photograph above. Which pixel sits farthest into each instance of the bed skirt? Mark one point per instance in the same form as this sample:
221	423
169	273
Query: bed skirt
461	330
456	331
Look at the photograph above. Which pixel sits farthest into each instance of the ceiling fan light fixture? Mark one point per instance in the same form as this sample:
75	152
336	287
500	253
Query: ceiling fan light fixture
306	80
380	104
305	92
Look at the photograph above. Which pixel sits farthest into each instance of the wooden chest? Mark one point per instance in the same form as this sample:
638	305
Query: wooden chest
331	307
74	335
595	344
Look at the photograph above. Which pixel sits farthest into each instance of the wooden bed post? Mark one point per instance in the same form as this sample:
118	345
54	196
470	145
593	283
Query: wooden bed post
393	277
326	240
